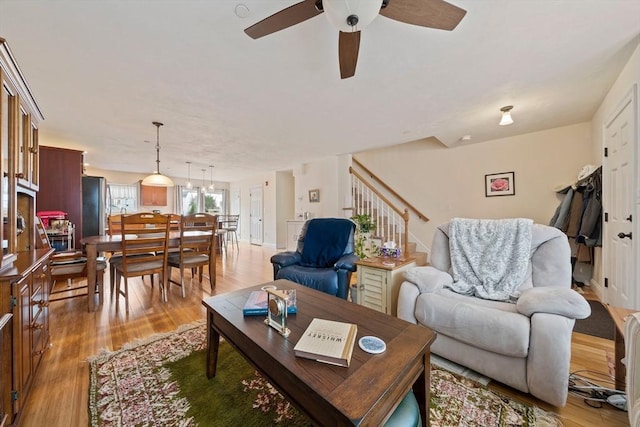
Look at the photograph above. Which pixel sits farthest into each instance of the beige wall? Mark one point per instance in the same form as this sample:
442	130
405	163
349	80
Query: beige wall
449	182
319	175
285	205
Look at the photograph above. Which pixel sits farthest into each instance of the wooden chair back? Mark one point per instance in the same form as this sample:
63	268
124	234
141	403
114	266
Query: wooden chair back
198	241
42	240
114	222
174	222
197	235
145	241
66	265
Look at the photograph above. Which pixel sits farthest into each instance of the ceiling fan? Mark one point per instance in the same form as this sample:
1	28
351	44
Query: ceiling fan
351	16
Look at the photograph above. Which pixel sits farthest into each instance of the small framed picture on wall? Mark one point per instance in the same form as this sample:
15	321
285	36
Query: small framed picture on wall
499	184
314	196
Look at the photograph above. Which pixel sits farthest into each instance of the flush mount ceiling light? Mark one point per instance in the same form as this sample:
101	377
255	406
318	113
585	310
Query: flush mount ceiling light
189	175
506	115
157	179
211	186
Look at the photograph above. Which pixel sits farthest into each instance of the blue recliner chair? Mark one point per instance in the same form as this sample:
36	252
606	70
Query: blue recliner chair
324	258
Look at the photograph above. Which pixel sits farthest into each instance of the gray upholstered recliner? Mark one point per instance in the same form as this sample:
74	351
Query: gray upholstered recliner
526	345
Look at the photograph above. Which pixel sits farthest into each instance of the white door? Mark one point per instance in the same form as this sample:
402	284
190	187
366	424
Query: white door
618	184
255	196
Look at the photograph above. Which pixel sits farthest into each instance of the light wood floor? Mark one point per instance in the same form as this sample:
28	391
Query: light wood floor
59	393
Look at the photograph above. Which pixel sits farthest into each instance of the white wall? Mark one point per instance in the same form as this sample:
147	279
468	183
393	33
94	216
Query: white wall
449	182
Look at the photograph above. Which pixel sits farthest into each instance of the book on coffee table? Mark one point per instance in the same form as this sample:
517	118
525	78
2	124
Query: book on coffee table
256	304
327	341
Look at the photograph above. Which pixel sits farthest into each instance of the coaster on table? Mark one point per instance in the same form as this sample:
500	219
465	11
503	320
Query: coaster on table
373	345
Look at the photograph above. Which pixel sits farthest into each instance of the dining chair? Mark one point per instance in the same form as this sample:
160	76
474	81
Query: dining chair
145	241
66	266
229	223
197	248
114	222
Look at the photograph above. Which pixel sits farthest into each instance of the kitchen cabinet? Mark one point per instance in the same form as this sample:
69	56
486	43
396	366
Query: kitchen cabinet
153	196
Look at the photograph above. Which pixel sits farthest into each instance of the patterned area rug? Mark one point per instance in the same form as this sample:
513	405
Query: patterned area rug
160	381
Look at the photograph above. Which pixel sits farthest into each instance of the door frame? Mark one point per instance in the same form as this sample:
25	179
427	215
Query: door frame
630	98
256	240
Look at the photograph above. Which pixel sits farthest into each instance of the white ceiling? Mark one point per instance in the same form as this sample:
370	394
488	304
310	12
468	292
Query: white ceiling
102	71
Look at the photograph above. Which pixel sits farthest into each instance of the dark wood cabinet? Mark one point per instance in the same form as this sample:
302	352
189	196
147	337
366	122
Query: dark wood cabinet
5	367
61	183
24	294
153	196
24	271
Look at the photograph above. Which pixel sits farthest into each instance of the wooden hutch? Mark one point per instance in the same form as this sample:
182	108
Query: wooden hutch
24	271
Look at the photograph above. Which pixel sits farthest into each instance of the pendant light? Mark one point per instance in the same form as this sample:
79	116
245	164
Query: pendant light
211	186
203	189
189	175
506	115
157	179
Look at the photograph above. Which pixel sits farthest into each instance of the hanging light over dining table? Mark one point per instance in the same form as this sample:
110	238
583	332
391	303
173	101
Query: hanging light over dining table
156	179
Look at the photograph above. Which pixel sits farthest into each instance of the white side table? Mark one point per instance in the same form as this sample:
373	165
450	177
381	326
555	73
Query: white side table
379	281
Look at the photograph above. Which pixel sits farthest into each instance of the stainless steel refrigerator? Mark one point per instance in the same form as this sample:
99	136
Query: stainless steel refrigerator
94	190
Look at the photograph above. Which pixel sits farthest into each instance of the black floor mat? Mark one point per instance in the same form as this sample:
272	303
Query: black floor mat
599	324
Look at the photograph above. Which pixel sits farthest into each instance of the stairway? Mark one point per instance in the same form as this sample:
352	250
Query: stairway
392	223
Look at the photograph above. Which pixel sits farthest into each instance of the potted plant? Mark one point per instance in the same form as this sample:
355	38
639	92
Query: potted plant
362	242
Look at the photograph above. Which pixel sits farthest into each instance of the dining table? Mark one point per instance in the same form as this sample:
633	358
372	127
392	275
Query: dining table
104	243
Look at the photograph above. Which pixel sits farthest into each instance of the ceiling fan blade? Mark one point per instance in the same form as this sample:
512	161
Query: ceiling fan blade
286	18
426	13
348	47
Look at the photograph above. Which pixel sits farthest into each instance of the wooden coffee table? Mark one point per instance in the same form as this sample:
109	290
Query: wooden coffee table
366	393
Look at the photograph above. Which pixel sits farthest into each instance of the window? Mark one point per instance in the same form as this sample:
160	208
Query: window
122	198
194	200
190	201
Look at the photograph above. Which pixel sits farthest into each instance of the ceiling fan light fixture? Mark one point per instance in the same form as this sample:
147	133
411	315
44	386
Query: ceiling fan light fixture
346	14
506	118
157	179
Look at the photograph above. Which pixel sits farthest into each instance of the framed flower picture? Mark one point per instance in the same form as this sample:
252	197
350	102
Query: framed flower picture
499	184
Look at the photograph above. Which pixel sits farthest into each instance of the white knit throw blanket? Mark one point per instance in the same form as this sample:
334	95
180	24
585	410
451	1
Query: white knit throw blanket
489	258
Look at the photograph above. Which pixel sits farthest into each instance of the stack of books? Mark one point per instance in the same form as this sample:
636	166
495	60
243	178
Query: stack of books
256	304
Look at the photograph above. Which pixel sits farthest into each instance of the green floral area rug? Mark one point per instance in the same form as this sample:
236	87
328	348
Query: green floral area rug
161	381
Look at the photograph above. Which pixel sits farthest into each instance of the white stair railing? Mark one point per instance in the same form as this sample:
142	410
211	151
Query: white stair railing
392	224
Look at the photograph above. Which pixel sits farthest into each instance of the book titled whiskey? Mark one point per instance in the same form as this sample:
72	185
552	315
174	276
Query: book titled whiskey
327	341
